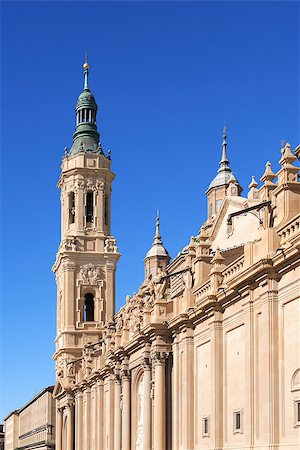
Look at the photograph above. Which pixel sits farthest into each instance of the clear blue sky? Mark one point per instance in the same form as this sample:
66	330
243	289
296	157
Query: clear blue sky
166	76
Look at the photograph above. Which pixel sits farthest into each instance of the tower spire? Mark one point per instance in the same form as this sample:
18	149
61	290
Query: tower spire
157	257
86	67
157	237
224	163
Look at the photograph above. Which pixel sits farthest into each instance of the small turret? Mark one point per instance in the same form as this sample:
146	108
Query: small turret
217	190
157	257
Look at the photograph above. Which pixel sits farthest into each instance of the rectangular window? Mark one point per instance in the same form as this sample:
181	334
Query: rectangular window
218	205
238	421
205	426
106	210
297	413
71	207
89	207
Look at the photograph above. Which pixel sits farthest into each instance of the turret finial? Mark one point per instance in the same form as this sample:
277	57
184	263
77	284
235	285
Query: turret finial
224	160
157	237
86	67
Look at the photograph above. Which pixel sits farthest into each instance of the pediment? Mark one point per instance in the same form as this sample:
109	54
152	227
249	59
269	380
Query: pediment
246	227
60	388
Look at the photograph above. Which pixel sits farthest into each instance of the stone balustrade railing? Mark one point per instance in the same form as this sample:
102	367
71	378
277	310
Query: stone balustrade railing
289	230
204	290
233	269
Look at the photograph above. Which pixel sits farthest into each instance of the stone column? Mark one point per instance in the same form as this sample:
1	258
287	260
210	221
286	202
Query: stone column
58	429
147	406
78	421
100	408
70	427
125	410
94	411
175	393
117	408
86	429
159	419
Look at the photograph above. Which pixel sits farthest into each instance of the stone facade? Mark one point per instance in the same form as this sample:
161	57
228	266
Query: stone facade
206	354
32	426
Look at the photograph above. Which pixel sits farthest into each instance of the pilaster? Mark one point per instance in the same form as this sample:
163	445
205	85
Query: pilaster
58	429
159	419
78	420
147	404
217	380
117	410
126	429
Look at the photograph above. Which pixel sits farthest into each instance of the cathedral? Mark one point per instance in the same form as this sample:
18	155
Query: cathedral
206	354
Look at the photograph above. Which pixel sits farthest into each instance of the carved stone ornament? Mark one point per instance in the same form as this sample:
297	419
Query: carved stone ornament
160	284
60	369
100	185
79	184
90	275
110	245
70	244
159	358
59	281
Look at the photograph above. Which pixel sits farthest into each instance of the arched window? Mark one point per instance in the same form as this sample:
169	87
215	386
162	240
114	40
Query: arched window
88	315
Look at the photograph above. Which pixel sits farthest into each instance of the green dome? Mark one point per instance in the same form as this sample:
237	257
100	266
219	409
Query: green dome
86	100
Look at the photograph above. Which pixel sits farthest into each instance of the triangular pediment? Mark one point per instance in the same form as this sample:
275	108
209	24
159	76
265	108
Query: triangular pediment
245	227
60	388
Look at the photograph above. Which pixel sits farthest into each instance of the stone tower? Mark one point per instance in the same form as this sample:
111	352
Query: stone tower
87	256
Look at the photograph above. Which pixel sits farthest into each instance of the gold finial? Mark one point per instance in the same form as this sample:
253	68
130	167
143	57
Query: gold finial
86	65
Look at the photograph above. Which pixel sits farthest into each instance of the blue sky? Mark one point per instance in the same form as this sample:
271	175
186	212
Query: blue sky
166	77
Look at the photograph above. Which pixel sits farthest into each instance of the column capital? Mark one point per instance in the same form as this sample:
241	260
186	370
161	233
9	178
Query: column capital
69	406
159	358
125	375
146	363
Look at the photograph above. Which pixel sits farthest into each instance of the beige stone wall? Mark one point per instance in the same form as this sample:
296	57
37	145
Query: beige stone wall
203	356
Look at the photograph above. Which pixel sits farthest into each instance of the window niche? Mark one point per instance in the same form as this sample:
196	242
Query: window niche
238	419
295	388
89	208
205	426
89	308
106	206
71	208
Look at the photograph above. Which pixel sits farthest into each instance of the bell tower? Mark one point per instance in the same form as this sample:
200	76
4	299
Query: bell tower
86	261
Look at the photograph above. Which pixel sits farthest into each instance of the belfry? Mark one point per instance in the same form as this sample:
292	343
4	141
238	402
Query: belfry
203	354
87	256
